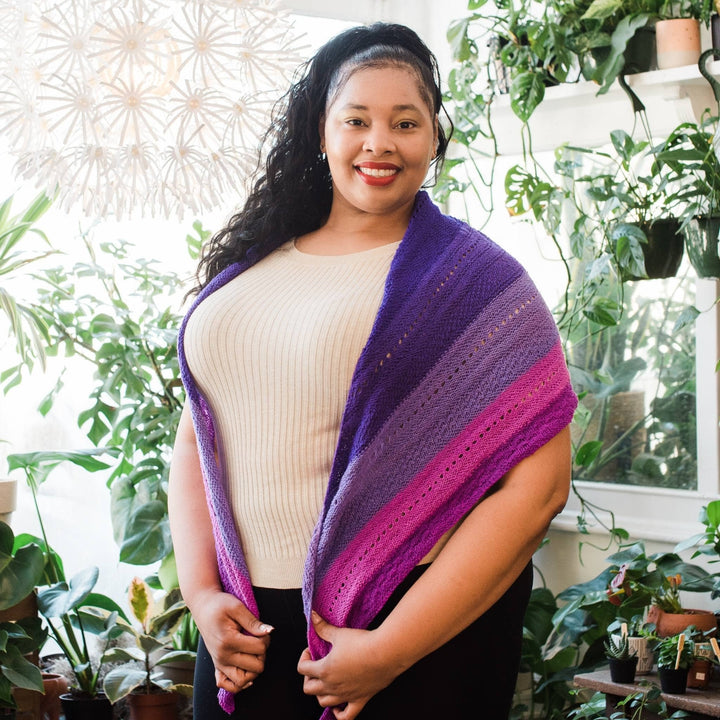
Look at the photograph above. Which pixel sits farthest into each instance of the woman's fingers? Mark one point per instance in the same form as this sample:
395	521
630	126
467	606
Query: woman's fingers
242	681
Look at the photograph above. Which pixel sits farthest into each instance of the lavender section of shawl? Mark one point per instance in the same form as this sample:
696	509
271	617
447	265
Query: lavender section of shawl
375	475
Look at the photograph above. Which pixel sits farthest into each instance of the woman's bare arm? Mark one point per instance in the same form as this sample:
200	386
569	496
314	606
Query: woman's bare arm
221	618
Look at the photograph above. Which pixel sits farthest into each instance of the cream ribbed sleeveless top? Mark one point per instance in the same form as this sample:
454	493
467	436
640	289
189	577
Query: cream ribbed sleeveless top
273	351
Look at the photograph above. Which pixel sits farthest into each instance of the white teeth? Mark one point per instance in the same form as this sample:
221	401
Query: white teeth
377	173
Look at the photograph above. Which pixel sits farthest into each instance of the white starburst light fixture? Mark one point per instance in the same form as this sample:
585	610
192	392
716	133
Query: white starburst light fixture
132	107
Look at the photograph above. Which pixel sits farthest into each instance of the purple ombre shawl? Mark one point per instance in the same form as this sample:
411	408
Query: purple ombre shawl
462	377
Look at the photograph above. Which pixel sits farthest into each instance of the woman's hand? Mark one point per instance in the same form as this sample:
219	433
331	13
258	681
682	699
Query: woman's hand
239	657
350	674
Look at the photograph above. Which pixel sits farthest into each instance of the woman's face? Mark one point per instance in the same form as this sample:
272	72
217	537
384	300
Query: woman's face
380	136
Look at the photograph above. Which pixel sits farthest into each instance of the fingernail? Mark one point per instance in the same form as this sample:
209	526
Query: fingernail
314	617
247	685
266	628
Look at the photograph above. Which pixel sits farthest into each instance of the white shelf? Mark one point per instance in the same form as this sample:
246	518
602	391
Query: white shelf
574	112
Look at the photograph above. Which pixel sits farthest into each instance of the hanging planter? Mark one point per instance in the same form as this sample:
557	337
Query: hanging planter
664	249
701	240
678	42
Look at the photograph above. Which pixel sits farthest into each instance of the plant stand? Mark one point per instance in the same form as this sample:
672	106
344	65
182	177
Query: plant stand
699	704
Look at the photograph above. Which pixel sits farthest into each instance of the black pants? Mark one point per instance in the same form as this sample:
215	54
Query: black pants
471	677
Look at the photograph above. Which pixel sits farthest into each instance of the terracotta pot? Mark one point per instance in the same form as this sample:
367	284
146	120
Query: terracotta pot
678	42
699	674
161	706
24	609
55	685
667	624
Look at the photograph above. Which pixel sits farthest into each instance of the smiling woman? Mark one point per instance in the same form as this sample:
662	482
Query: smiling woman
375	438
379	133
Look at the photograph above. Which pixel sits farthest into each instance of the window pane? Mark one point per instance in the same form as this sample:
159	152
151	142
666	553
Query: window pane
636	381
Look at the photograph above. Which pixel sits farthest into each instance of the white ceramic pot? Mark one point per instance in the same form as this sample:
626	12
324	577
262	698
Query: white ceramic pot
678	42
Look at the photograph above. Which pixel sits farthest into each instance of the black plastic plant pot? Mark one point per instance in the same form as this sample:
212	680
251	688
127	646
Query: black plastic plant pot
663	251
639	56
701	240
623	671
79	707
673	682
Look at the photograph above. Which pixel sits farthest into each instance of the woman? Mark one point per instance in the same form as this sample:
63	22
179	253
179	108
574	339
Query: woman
378	405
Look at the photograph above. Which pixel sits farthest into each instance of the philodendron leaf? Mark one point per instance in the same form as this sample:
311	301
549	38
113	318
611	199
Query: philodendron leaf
121	681
19	572
61	598
601	9
19	671
124	654
147	537
588	452
526	93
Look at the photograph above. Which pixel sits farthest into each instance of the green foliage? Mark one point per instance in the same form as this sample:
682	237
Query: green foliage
21	568
27	326
153	640
672	654
17	640
118	314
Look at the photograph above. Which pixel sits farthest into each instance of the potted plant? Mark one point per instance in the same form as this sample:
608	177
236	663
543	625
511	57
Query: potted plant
611	38
641	640
677	31
21	631
668	614
137	678
690	157
72	611
18	639
622	660
700	671
675	655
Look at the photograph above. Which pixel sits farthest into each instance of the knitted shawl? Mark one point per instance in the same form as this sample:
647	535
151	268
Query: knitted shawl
462	377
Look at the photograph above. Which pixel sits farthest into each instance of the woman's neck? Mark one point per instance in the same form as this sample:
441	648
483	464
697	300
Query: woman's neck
345	233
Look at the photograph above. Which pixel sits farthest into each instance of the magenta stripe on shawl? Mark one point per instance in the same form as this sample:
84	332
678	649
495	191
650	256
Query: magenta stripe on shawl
496	425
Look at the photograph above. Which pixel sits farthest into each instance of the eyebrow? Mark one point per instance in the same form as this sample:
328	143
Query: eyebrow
396	108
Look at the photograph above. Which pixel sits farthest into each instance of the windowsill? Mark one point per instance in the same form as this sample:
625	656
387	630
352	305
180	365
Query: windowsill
647	513
575	111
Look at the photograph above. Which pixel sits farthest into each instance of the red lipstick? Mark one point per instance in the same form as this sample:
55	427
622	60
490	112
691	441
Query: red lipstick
377	174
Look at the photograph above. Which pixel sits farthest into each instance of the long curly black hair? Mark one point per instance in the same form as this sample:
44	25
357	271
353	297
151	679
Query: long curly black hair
294	193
